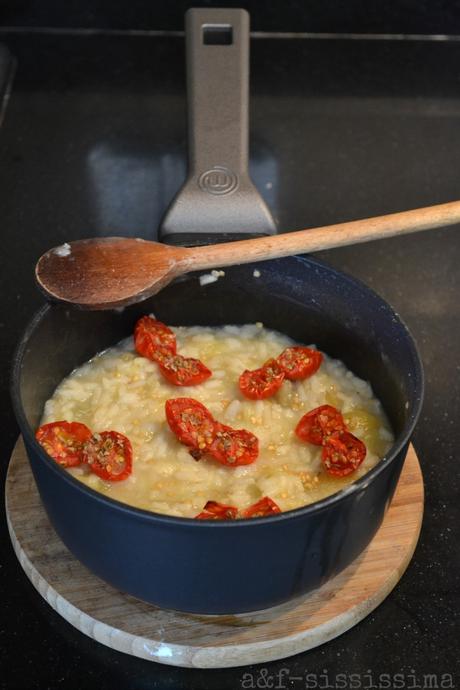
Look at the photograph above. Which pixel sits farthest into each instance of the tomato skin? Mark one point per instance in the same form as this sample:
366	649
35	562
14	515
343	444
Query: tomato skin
342	454
299	362
196	428
109	454
233	447
184	371
191	422
154	340
319	423
266	506
64	441
294	363
262	383
217	511
152	337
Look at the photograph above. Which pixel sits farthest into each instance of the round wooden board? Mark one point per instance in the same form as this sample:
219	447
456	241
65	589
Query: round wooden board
180	639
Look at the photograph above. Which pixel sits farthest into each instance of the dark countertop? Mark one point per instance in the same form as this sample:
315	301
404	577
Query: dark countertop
407	17
93	142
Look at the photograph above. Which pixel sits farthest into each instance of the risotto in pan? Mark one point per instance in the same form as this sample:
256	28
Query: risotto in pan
243	422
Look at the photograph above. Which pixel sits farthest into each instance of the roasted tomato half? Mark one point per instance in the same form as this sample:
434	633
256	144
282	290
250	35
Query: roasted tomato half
217	511
299	362
153	338
315	426
64	441
266	506
342	454
184	371
262	383
109	454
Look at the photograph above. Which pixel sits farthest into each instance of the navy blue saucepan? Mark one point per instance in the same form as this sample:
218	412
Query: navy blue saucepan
243	565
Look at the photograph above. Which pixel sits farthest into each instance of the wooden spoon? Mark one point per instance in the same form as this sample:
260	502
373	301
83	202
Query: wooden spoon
104	273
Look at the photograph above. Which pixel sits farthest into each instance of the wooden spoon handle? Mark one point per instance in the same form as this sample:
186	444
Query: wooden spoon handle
316	239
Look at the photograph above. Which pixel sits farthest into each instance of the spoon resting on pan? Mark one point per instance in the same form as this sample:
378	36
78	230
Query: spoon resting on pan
104	273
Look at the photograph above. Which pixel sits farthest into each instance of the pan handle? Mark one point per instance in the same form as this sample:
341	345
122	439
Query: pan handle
218	201
218	91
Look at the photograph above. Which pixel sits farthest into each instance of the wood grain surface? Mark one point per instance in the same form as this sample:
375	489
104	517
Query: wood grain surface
325	237
110	272
129	625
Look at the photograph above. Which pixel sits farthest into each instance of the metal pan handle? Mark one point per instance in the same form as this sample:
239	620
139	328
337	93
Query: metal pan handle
218	201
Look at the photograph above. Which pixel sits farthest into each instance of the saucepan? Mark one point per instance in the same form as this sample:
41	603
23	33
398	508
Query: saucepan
217	567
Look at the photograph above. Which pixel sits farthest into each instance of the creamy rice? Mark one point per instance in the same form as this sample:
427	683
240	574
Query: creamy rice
119	390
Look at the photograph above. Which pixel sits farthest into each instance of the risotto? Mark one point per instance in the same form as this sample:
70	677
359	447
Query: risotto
120	390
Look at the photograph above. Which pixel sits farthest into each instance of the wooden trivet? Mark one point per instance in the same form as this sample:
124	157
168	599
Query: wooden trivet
180	639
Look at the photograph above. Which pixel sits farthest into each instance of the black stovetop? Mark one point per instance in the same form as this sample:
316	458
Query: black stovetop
93	142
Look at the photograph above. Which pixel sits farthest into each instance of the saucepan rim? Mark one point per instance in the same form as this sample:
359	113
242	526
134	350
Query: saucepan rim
184	522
